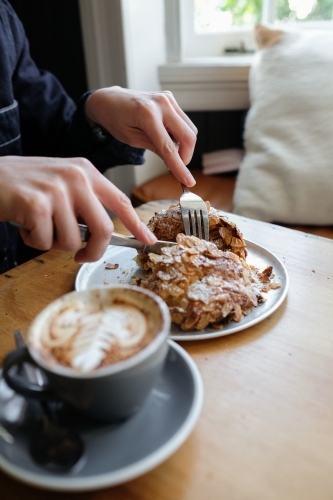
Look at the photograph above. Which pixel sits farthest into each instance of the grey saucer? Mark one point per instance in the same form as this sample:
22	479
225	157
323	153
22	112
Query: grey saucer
119	452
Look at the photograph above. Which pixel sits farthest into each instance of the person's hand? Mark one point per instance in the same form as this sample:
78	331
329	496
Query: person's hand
49	195
149	120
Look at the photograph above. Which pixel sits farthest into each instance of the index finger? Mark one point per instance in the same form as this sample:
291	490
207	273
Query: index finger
180	112
115	200
174	143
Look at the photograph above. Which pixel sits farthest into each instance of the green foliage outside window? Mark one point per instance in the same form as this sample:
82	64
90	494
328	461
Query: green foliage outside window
321	11
243	11
249	11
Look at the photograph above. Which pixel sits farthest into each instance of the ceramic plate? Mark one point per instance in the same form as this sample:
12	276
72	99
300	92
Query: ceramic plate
95	274
120	452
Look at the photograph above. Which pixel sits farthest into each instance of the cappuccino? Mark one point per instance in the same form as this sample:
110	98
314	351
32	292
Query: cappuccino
100	350
86	334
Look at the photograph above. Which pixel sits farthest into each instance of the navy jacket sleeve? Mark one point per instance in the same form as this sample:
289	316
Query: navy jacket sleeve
51	124
38	118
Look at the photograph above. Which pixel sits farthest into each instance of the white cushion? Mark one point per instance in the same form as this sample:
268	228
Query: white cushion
287	172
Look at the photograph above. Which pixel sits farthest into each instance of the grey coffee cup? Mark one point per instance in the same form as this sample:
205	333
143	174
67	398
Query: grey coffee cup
109	393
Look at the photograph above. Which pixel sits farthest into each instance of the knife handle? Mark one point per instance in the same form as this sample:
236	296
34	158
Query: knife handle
84	230
116	238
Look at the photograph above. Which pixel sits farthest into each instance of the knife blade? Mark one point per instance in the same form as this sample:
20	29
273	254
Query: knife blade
117	239
128	241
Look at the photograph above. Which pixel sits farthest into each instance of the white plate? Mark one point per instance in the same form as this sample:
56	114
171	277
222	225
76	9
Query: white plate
120	452
95	274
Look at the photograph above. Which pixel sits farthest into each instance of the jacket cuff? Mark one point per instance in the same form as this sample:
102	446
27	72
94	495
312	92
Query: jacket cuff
95	143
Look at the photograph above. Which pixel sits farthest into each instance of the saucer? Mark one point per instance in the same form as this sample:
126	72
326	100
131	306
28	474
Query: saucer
117	453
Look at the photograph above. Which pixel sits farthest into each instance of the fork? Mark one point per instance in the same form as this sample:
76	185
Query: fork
194	214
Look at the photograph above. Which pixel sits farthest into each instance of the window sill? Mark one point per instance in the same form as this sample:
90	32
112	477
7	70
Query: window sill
209	84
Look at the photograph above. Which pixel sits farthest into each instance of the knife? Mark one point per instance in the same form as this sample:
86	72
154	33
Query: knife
116	239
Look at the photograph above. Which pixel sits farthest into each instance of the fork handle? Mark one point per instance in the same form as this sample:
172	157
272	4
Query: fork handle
185	188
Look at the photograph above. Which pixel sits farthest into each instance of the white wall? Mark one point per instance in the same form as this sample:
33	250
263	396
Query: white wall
124	44
143	27
145	50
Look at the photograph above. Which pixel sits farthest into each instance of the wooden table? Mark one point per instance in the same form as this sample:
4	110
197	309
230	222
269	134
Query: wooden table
266	428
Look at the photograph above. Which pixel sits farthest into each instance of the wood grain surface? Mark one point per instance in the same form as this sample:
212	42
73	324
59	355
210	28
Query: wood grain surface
266	427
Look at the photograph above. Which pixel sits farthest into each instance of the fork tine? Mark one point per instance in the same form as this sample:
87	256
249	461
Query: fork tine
206	226
194	229
199	217
186	222
194	214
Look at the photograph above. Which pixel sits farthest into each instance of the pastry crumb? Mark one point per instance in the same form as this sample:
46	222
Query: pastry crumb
109	265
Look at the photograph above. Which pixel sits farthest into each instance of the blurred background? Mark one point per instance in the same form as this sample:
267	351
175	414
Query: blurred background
201	50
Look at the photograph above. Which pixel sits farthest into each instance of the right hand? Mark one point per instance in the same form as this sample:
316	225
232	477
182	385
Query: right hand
149	120
44	194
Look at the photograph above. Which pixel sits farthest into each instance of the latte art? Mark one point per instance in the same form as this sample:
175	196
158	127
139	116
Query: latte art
86	337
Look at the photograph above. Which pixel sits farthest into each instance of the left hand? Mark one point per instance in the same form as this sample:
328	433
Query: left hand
149	120
47	195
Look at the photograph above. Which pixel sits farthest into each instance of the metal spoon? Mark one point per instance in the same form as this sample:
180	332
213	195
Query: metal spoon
55	447
5	435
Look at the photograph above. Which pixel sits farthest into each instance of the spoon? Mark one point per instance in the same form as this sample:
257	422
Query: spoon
55	447
5	435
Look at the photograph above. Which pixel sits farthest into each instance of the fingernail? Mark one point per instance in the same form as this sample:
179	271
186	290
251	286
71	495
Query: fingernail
152	237
190	180
79	261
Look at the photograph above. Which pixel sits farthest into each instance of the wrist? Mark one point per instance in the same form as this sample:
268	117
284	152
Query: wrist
99	132
90	106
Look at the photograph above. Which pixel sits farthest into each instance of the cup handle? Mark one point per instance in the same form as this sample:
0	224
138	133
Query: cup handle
19	383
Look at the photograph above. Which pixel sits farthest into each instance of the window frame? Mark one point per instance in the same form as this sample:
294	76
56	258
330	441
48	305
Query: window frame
195	45
210	83
184	44
201	83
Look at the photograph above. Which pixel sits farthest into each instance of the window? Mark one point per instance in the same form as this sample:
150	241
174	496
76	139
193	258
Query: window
215	28
210	45
221	15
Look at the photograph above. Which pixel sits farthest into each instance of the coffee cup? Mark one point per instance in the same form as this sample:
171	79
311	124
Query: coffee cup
99	350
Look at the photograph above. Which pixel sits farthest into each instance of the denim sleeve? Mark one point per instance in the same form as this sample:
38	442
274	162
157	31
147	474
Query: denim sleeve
51	123
101	148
